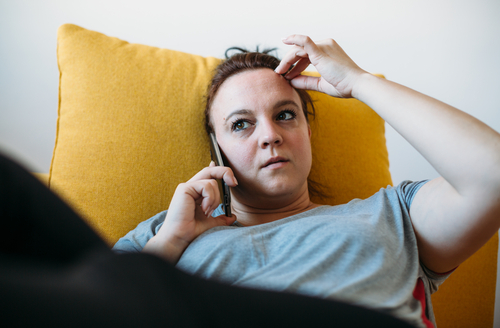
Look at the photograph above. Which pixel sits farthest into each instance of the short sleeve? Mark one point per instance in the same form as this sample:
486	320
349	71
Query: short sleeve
135	240
435	279
407	190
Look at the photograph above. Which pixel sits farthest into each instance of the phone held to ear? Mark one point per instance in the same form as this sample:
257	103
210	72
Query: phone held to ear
225	194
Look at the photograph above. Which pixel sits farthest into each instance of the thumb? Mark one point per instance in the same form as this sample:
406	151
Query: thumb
231	220
225	220
315	84
306	82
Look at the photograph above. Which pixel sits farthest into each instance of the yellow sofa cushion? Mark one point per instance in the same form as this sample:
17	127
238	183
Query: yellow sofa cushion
130	129
467	298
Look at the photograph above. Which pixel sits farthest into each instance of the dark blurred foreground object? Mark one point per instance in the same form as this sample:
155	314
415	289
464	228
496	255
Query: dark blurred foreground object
55	271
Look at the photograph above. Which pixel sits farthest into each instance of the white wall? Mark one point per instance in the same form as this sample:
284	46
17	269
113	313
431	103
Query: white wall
447	49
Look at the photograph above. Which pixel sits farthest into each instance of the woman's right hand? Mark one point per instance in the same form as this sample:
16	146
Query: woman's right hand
190	213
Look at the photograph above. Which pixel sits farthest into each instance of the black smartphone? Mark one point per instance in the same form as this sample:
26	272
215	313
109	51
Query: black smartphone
225	194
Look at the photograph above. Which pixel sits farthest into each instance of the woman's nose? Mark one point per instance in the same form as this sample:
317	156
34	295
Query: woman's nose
270	136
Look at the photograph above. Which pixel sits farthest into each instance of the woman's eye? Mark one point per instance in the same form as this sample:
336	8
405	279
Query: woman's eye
240	125
286	115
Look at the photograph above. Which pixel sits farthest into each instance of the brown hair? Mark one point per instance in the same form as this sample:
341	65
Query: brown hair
242	61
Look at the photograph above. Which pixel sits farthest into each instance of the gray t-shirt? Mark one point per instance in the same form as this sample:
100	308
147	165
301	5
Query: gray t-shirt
363	252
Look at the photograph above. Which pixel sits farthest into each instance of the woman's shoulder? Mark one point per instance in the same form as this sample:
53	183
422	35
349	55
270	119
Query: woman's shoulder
135	240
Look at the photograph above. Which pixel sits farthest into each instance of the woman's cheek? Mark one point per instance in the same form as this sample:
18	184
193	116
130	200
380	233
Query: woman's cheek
241	160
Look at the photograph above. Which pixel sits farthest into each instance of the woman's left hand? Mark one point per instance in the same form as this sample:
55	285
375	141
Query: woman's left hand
339	73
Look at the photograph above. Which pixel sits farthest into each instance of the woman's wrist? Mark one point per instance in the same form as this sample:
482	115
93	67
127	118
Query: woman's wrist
165	248
363	83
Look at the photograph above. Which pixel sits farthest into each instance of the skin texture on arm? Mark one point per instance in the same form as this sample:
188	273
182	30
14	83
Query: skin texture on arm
454	215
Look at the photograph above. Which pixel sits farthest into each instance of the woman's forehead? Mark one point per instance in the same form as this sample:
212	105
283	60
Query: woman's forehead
255	78
258	87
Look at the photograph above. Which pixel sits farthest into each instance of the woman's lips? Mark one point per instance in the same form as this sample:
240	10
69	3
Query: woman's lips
275	162
276	165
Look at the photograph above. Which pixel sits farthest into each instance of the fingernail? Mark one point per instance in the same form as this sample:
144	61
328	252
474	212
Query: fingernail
212	163
284	39
235	181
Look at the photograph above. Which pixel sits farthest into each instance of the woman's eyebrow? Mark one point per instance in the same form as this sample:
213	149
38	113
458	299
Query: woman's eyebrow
277	105
237	112
282	103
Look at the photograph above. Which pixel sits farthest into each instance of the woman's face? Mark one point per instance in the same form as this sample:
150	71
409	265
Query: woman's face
262	131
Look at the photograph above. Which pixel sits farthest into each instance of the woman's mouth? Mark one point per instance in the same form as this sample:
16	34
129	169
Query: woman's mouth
275	162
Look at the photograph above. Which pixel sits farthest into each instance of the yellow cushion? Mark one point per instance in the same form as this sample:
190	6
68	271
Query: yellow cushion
349	153
130	129
467	298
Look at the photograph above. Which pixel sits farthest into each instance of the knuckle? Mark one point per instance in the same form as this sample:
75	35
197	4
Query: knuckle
181	186
331	42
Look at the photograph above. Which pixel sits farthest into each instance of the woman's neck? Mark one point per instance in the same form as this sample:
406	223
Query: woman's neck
249	214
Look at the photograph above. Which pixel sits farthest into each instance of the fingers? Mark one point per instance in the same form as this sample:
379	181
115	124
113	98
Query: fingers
302	41
304	47
211	197
291	57
216	172
301	65
306	82
339	73
206	190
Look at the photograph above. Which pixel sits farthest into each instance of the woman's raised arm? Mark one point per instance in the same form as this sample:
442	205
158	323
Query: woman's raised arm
454	215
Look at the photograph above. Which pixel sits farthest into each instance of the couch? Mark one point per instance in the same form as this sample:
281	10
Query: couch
130	129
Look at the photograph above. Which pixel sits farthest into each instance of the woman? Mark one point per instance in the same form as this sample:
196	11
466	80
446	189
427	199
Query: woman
388	252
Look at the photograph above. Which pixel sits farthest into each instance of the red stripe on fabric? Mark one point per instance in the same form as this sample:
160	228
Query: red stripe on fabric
419	295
